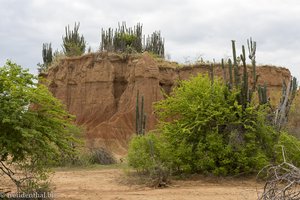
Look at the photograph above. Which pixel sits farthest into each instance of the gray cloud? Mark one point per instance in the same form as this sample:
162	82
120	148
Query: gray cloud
191	28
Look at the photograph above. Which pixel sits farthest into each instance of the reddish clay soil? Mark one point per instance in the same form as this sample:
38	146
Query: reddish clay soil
111	184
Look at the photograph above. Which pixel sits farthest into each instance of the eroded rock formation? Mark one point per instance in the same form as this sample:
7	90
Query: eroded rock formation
100	90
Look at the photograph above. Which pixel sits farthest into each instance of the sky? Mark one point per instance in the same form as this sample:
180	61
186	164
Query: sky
191	28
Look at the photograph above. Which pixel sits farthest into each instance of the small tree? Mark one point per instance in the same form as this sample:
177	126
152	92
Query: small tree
34	128
73	43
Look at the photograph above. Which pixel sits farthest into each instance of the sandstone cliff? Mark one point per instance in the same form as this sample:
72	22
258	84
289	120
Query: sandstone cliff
100	90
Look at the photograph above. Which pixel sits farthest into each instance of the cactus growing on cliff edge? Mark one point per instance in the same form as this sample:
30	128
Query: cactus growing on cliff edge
155	44
47	53
140	119
122	38
73	43
130	39
47	57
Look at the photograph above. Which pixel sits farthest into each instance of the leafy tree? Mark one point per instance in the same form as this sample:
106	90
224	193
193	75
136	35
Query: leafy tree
73	43
34	128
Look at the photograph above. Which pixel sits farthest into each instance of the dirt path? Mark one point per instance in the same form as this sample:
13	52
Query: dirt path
106	184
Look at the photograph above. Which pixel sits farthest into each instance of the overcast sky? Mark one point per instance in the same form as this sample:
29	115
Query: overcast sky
191	28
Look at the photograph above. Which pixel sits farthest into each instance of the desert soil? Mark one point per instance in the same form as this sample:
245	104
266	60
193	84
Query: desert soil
111	184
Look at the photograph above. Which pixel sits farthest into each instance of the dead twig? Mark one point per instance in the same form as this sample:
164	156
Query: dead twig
283	181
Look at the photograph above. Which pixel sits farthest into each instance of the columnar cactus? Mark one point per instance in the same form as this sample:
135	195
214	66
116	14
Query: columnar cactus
252	51
155	44
140	116
244	89
47	57
235	66
211	72
224	71
262	94
245	94
73	43
230	73
125	39
47	53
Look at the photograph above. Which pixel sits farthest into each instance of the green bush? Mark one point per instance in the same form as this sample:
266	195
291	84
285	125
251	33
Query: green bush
143	152
291	147
145	155
205	130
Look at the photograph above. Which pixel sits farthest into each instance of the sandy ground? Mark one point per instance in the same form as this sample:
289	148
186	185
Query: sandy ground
109	184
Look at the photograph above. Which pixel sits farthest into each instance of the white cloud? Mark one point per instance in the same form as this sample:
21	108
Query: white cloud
191	28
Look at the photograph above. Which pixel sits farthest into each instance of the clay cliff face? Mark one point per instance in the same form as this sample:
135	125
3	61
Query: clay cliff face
100	90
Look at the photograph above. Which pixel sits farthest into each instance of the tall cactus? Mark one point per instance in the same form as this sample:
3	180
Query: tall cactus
211	72
47	53
47	57
262	94
235	66
224	70
245	94
123	39
244	89
252	51
230	74
155	44
137	114
140	116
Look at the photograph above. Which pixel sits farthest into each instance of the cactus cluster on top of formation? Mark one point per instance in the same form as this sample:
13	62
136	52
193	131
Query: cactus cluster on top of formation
124	39
73	43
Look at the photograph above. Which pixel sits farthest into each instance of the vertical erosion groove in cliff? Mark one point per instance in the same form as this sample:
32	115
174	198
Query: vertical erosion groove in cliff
120	85
100	90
